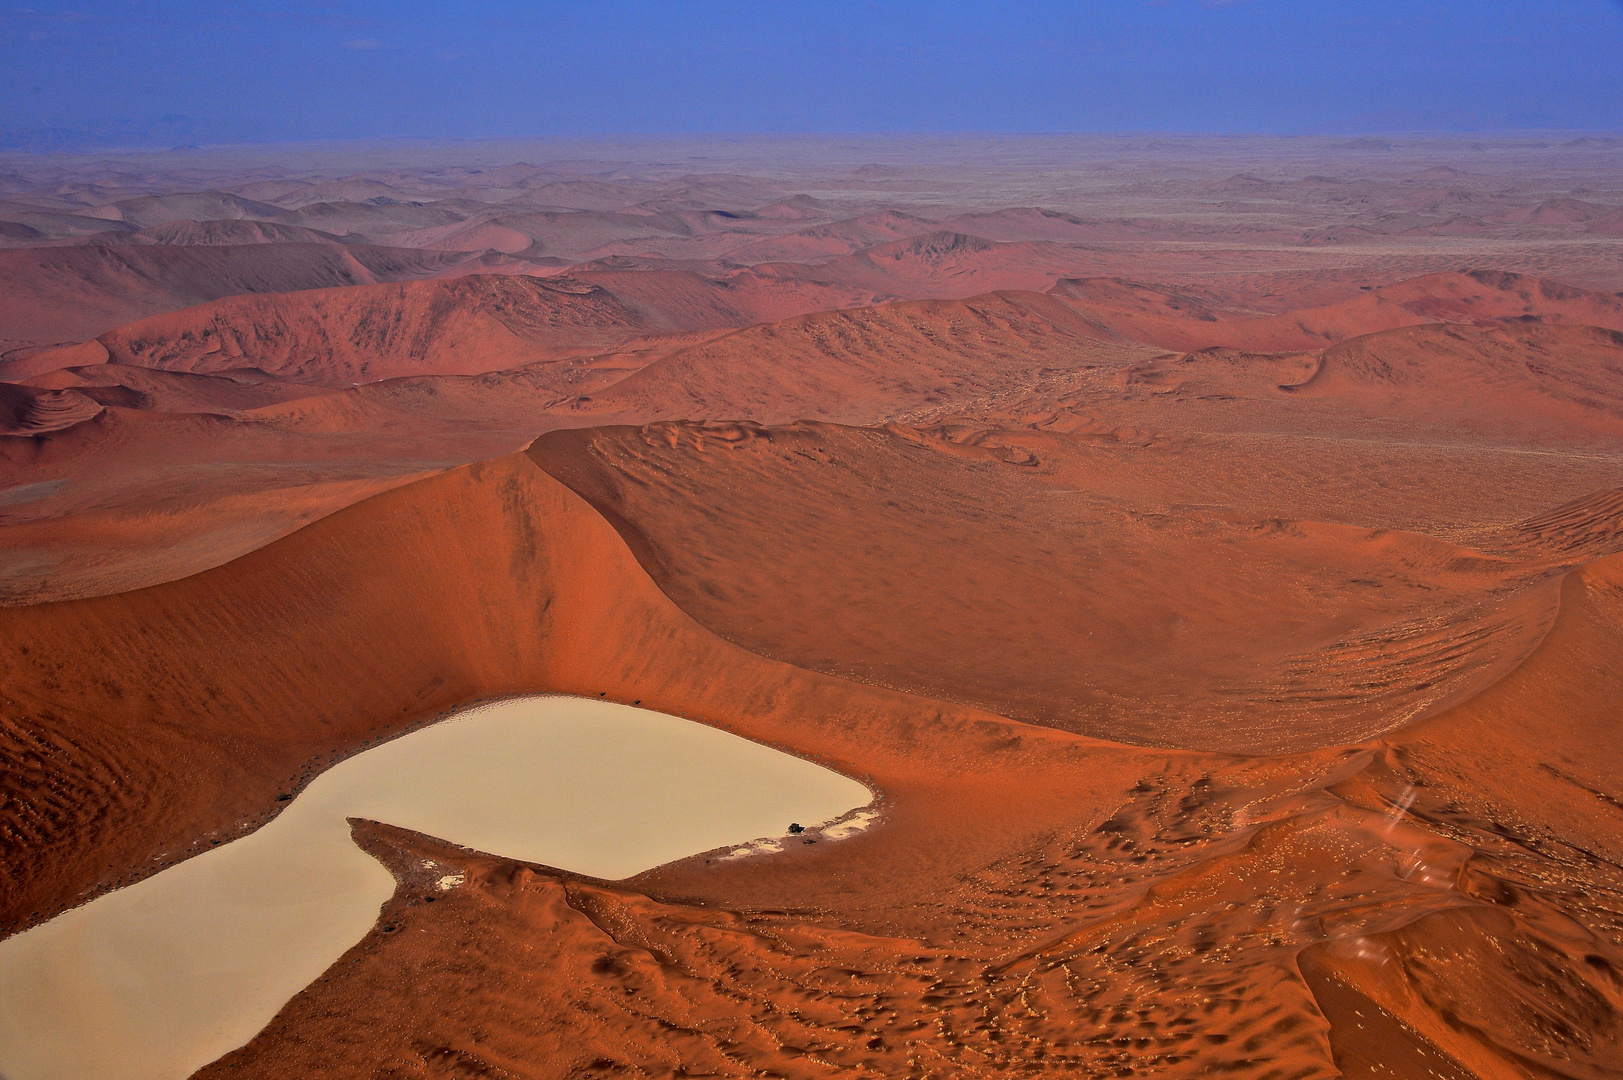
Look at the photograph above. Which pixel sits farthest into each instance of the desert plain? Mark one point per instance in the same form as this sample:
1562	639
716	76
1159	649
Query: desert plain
1208	553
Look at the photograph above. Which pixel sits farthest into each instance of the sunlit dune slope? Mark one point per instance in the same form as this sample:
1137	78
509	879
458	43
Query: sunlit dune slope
1436	904
1060	583
1562	383
1030	895
858	366
1586	527
68	294
343	336
1187	320
1523	781
465	325
138	728
134	493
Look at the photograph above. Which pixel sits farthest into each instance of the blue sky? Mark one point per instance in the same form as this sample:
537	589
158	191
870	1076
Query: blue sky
255	71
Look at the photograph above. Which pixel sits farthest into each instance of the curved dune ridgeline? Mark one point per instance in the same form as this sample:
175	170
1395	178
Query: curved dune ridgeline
1091	588
1027	890
144	726
1518	795
1440	903
1208	554
66	294
337	337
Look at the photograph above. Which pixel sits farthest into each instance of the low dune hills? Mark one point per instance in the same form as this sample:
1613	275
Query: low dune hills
1227	621
180	441
90	244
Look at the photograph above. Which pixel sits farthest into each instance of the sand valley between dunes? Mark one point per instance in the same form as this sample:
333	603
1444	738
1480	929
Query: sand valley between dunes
156	980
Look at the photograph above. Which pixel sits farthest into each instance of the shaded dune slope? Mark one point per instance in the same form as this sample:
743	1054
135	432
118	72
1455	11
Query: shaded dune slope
1443	903
463	325
1033	899
159	390
143	725
69	294
1047	581
1187	320
342	336
1559	382
29	410
857	366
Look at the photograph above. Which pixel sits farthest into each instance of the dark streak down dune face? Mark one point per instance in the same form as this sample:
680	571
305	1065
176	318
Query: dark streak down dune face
1221	588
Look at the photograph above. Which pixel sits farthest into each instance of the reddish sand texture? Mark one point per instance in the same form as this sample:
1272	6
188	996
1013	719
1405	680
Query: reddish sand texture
1211	552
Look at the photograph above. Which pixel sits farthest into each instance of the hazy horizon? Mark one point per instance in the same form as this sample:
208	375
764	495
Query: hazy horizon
83	76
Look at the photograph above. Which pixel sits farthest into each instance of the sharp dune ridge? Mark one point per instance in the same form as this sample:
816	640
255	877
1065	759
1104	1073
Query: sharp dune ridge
1209	553
558	603
347	335
1014	362
552	589
983	578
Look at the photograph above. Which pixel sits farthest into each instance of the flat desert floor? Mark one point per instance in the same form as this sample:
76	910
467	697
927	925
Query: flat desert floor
1209	552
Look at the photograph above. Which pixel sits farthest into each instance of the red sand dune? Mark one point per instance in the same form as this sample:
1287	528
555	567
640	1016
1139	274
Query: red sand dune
837	238
337	337
27	410
1219	587
1559	382
1188	321
988	578
182	233
942	263
69	294
340	336
855	366
1014	361
149	210
873	364
137	387
961	787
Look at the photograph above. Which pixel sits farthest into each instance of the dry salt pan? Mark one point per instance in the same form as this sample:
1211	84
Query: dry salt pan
156	980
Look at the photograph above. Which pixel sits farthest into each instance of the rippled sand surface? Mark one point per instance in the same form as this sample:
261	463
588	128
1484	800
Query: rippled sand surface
158	979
